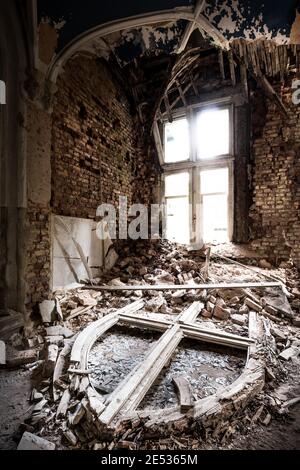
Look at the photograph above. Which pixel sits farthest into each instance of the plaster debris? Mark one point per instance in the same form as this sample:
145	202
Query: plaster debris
31	442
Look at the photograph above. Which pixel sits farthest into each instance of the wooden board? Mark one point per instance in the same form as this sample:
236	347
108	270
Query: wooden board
232	285
183	388
136	385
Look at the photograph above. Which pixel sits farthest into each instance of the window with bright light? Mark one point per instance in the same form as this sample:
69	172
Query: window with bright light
177	207
212	133
177	141
214	205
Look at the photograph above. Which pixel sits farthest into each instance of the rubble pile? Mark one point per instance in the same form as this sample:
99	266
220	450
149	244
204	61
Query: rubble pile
61	408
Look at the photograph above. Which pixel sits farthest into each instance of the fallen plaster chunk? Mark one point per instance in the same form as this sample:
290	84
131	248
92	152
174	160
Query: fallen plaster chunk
59	331
296	321
48	311
239	319
59	340
290	353
21	358
277	333
221	312
253	305
32	442
77	416
51	358
2	353
64	403
70	436
94	401
36	396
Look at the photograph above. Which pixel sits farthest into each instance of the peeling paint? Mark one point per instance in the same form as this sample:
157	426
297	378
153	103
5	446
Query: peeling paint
248	20
48	38
135	42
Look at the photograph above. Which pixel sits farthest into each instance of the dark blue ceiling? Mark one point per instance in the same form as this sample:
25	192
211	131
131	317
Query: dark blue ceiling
82	16
253	15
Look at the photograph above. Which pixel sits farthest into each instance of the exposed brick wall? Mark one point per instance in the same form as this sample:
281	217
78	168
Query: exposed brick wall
275	213
96	144
37	227
38	254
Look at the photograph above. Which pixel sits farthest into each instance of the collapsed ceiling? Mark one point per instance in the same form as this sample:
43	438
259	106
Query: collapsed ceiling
234	19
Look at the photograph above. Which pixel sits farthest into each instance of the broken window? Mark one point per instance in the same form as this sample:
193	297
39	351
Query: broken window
177	207
198	148
177	142
212	133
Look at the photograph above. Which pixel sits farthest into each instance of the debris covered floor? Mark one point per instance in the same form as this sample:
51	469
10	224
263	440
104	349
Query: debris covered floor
50	407
149	225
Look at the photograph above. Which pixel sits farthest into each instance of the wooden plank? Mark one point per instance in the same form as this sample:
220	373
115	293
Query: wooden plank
215	337
191	313
221	64
184	390
158	143
150	378
223	285
79	311
232	68
159	325
142	377
190	27
181	93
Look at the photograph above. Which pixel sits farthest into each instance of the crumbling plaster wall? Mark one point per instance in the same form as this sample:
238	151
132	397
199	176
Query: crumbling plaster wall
37	275
275	213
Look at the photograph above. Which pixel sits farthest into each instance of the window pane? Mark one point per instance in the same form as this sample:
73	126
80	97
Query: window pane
214	181
177	223
177	142
177	184
214	218
212	133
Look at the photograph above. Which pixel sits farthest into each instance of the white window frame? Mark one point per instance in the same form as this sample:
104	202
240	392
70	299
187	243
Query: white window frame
193	165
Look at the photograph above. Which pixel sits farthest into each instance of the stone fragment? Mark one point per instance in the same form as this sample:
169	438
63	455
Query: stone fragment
289	353
32	442
95	403
50	361
206	314
234	301
253	305
263	263
126	445
221	313
58	310
296	321
20	358
36	396
76	417
59	331
63	404
209	306
2	353
239	319
143	271
277	333
48	311
244	310
59	340
70	437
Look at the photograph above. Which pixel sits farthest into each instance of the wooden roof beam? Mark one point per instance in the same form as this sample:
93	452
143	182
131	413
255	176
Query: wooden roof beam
190	27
